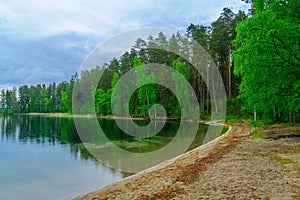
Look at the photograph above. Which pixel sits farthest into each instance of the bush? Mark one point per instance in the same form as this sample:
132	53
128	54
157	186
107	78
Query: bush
233	118
255	135
257	125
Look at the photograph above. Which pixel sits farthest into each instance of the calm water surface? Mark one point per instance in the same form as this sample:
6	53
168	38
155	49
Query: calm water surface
43	157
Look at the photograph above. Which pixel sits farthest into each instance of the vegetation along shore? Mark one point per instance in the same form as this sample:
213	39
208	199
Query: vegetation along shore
257	55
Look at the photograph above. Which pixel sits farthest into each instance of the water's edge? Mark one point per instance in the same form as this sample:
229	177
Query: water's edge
203	151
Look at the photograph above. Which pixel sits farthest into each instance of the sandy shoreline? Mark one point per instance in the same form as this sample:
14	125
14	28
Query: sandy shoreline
233	166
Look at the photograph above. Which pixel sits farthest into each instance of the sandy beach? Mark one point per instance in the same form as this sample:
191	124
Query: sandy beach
234	166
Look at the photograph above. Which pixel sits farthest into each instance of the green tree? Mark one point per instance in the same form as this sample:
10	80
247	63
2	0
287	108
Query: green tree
268	59
102	102
11	105
2	99
32	99
14	100
181	90
24	98
147	93
126	62
103	98
49	104
64	102
43	99
118	107
222	34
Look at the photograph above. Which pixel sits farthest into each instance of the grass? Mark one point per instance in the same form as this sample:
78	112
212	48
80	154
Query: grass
286	150
233	118
252	153
257	125
283	160
297	168
294	133
288	124
256	135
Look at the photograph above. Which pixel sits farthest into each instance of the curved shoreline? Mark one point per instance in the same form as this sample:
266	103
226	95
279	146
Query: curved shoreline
204	149
206	154
233	166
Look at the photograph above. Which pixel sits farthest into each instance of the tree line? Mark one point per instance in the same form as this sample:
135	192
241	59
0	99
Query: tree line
39	98
257	56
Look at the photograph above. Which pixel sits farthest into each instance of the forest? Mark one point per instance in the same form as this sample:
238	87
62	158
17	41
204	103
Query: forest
257	55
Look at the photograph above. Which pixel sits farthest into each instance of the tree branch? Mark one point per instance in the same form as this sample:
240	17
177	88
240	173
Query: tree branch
287	48
277	52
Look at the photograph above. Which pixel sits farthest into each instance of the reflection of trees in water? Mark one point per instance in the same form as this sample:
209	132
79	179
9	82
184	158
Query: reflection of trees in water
8	125
62	131
49	130
53	130
79	150
39	129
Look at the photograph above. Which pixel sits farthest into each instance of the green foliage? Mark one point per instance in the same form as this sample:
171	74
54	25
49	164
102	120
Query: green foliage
294	133
119	109
181	89
64	101
8	101
38	98
283	160
257	125
256	135
234	108
265	54
102	99
87	108
233	118
268	60
147	93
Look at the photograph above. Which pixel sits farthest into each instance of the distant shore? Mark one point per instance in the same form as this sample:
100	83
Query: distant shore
123	118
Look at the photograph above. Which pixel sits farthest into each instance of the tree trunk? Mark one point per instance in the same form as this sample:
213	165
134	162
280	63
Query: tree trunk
148	102
229	74
290	117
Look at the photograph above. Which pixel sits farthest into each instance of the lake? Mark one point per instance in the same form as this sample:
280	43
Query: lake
44	158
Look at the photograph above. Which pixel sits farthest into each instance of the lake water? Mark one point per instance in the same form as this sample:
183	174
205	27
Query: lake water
43	157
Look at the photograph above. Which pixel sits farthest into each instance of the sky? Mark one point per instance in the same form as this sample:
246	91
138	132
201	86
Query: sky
47	40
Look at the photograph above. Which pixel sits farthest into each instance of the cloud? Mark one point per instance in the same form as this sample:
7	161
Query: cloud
55	58
31	75
43	18
48	40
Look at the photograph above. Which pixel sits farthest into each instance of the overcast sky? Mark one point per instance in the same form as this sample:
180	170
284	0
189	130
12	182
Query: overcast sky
47	40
